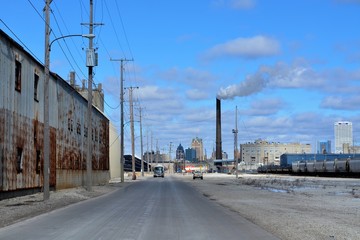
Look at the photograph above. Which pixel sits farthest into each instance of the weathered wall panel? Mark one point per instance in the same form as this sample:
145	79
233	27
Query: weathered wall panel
21	125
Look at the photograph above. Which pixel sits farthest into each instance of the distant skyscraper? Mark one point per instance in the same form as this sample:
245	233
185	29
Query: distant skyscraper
190	154
197	144
343	135
323	147
180	154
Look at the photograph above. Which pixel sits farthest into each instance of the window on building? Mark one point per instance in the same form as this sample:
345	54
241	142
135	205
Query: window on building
19	164
36	83
100	135
85	131
38	162
17	75
35	132
78	128
70	124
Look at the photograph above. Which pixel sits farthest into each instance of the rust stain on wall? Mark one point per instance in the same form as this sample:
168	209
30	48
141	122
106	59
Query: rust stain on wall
22	130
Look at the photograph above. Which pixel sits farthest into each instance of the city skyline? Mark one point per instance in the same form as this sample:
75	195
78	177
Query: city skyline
291	67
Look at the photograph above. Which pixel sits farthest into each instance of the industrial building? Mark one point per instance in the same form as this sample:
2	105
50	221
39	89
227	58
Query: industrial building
22	127
262	152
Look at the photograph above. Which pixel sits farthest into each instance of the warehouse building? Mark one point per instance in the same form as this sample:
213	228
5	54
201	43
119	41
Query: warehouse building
22	127
262	152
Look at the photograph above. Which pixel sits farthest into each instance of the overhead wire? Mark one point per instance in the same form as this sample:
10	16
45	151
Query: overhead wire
67	47
23	44
68	32
69	51
99	38
114	29
122	24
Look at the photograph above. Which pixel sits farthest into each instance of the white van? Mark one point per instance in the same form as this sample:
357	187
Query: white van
159	171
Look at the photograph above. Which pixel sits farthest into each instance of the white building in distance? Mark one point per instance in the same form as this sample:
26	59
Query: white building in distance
262	152
343	135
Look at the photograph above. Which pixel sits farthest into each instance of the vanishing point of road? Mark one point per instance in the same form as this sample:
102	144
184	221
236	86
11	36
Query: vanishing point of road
157	208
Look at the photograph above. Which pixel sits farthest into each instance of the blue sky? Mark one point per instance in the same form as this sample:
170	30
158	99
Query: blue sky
291	67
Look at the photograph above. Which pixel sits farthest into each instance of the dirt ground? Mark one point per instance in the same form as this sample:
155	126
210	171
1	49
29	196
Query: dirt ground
289	207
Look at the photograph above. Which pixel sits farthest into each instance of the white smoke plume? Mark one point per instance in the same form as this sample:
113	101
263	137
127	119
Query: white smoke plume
252	84
280	75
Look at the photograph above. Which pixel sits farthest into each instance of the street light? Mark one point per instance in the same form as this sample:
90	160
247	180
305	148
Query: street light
90	36
46	168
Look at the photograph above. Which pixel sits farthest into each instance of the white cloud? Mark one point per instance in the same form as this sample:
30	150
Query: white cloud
242	4
196	94
264	107
235	4
248	48
155	93
189	76
293	76
343	103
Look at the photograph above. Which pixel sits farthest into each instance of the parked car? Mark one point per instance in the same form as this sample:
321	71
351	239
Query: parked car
197	174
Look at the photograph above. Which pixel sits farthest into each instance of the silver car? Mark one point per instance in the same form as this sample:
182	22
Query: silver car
197	174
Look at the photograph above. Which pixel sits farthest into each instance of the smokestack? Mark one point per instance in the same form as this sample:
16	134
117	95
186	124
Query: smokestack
218	130
72	78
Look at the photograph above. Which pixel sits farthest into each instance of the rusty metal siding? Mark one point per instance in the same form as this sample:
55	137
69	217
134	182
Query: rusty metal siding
72	127
72	140
21	125
21	120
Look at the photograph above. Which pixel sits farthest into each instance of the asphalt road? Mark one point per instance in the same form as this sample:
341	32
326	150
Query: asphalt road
159	208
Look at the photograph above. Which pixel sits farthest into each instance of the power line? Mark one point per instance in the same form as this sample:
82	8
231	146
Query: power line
122	24
23	44
114	29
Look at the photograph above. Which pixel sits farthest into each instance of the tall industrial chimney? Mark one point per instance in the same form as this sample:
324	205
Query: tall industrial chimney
218	130
72	78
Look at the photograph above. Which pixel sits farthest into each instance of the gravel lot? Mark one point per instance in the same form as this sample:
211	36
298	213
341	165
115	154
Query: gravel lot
289	207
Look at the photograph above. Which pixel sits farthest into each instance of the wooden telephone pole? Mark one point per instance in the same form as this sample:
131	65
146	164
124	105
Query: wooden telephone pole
122	161
132	130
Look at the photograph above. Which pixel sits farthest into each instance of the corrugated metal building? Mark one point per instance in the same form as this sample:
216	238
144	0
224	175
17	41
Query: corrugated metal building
21	126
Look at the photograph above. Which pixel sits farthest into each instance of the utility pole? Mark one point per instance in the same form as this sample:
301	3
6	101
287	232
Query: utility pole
46	169
235	131
157	151
152	155
46	104
147	150
91	61
89	110
141	143
122	60
132	131
169	156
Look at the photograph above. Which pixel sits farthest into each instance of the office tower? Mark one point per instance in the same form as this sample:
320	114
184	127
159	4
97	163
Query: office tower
343	135
197	144
323	147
